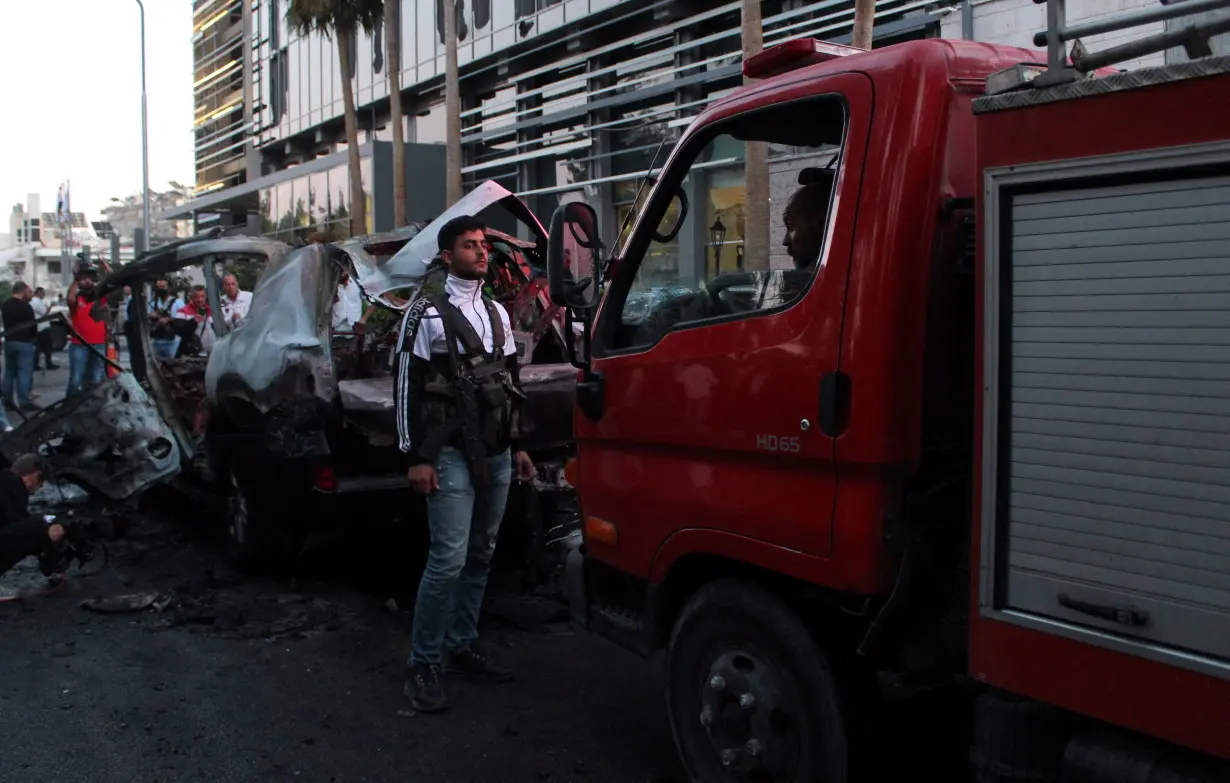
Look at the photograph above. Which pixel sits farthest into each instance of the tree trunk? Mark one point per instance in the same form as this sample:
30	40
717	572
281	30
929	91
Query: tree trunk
756	210
392	43
864	18
452	108
358	202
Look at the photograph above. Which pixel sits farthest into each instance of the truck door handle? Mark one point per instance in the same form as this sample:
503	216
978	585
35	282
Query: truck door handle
834	402
1123	615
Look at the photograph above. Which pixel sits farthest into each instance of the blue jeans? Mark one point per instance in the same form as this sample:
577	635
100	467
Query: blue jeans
464	521
85	368
164	349
18	371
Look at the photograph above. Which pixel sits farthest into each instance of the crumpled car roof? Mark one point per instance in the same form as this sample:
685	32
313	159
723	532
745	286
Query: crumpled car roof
408	266
170	258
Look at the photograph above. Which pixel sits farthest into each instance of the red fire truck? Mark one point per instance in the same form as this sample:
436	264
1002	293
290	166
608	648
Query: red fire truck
916	362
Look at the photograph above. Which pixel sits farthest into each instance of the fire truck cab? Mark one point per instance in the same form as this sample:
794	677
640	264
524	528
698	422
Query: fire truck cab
953	401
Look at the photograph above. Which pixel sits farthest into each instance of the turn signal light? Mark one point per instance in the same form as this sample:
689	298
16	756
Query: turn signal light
792	55
600	531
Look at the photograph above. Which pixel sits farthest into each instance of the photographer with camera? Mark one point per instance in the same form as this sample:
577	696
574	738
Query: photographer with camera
86	367
21	534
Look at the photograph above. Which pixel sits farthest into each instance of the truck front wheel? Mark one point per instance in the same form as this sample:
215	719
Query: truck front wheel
751	695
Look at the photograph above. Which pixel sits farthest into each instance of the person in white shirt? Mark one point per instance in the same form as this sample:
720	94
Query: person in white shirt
42	340
347	305
235	303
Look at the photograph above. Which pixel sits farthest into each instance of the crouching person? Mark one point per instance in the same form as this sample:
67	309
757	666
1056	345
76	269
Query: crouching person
23	535
456	395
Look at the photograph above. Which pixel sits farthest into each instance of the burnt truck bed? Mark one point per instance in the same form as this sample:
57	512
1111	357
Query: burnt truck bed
546	415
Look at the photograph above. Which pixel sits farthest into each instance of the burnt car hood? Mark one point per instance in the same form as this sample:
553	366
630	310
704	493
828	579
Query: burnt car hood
170	258
110	439
408	266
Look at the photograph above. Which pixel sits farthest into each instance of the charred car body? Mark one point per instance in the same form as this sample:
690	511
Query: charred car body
291	419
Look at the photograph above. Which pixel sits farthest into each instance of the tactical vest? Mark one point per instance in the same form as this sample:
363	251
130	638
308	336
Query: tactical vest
469	404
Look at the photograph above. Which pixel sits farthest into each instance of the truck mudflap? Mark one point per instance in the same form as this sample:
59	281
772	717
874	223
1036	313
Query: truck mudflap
627	614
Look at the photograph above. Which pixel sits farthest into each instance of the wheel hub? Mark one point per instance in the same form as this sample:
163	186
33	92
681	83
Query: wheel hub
748	717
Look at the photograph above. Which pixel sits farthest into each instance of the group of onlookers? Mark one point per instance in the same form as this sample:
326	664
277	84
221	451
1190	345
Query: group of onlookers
174	322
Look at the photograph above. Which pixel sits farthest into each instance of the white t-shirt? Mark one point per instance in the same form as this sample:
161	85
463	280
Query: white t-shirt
233	311
39	306
466	296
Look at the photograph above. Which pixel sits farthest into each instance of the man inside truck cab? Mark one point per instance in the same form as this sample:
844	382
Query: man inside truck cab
456	394
804	221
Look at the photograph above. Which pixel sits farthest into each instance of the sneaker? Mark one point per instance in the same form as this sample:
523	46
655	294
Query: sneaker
471	662
424	689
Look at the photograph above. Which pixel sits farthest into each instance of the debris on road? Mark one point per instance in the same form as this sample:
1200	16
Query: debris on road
119	604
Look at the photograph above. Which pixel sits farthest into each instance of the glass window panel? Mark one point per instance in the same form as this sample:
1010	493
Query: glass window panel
363	61
318	197
314	79
426	31
294	81
409	43
705	270
430	128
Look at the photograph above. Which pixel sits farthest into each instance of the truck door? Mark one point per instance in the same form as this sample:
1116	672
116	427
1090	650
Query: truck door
718	342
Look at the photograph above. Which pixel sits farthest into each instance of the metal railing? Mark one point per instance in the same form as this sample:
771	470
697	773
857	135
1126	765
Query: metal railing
1193	37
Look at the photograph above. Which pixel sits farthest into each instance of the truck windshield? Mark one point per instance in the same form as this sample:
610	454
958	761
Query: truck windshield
757	192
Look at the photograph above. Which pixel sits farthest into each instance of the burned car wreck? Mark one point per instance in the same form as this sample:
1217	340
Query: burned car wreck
288	420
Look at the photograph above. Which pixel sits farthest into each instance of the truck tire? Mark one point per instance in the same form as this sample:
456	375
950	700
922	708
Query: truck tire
750	694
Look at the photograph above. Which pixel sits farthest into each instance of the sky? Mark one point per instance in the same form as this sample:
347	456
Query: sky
72	99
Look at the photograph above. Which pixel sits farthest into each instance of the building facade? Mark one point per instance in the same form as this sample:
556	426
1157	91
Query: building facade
561	99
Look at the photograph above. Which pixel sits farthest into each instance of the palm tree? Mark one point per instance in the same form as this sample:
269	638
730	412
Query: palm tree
341	20
452	108
392	42
756	210
864	18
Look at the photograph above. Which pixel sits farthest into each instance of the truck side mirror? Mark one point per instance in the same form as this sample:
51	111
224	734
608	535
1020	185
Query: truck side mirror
574	256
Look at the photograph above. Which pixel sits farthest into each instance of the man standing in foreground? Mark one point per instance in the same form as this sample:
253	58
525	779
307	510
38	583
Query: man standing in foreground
456	392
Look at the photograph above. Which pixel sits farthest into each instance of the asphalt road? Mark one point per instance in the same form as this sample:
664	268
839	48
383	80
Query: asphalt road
267	681
233	680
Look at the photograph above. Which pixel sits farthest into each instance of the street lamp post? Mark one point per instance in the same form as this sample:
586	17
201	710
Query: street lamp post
144	143
717	237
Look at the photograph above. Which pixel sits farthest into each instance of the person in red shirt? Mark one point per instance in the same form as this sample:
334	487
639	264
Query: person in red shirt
86	366
197	310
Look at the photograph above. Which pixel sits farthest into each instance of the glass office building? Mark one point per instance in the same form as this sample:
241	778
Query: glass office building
561	99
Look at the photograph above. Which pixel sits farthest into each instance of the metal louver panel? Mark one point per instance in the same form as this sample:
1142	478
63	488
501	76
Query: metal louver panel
1115	453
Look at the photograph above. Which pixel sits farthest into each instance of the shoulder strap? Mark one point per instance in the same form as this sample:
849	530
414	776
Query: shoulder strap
497	328
458	327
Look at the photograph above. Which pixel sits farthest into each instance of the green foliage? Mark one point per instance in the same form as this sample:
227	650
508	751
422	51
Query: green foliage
245	272
6	290
180	284
330	17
